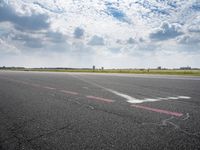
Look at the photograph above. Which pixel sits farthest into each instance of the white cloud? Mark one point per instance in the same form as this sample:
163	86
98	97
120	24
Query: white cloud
96	41
8	48
78	32
119	33
166	31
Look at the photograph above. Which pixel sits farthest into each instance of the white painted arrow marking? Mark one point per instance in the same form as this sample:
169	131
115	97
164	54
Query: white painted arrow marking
133	100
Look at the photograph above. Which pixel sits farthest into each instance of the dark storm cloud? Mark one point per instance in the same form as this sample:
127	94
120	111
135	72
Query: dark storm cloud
32	22
166	32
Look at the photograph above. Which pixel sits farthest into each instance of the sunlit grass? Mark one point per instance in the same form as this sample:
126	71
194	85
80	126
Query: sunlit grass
131	71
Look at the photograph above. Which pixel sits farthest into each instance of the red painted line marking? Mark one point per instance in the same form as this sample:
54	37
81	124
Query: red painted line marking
101	99
69	92
158	110
50	88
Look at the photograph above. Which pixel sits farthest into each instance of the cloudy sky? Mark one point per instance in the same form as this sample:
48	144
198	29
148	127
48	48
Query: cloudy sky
109	33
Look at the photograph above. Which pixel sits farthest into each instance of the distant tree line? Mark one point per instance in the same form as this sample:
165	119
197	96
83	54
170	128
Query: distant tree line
11	68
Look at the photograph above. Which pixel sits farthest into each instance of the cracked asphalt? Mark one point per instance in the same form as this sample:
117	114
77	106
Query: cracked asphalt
79	111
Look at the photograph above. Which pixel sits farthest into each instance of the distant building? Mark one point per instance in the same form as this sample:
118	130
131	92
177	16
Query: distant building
159	67
93	68
185	68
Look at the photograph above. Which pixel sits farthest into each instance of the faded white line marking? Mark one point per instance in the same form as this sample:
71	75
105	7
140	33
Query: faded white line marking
85	87
101	99
69	92
50	88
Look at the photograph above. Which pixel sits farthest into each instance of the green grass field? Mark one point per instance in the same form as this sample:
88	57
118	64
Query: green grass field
129	71
191	72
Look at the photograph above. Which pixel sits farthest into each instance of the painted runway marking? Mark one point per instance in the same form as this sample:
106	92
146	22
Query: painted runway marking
69	92
50	88
137	101
131	99
158	110
101	99
127	97
158	99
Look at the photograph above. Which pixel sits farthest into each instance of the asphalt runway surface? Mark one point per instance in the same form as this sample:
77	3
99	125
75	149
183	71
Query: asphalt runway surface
83	111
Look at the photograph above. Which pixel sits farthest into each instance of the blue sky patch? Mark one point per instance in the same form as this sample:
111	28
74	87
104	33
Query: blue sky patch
117	14
196	6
